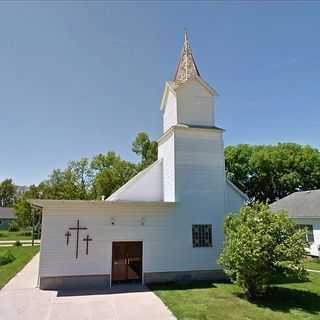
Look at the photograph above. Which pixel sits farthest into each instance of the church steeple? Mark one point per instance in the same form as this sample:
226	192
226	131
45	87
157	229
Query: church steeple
187	99
186	68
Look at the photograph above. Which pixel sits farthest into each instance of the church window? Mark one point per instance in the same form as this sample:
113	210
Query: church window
202	235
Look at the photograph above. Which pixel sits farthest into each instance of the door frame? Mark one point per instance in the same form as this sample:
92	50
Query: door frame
142	255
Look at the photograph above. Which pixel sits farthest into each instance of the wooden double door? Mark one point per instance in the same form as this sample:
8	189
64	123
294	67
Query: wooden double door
127	261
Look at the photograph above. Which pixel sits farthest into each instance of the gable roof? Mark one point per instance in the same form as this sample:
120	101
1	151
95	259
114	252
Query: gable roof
144	186
7	213
236	189
302	204
173	87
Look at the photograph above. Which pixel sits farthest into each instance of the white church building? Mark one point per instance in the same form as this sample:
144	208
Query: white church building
166	223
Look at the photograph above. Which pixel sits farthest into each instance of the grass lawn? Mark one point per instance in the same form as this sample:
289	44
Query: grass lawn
19	235
23	256
225	301
313	264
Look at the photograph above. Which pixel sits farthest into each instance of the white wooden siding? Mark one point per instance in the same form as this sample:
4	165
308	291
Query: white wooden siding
166	154
195	105
199	168
170	111
167	241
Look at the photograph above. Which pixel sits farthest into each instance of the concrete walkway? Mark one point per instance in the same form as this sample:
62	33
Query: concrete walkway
22	241
20	299
312	270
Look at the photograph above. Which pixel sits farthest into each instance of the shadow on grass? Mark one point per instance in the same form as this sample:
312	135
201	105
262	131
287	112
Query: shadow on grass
285	299
169	286
289	279
278	298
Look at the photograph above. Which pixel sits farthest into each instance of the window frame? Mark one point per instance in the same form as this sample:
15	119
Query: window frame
310	234
202	236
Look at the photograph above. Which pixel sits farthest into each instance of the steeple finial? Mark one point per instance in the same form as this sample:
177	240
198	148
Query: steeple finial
186	68
185	36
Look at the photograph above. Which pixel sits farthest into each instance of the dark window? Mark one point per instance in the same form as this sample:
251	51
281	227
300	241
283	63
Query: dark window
0	221
309	235
202	235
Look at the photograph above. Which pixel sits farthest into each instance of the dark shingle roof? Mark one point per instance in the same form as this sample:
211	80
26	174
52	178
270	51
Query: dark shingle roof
7	213
302	204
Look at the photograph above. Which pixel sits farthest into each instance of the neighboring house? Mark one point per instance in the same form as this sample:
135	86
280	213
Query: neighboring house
6	216
304	208
166	223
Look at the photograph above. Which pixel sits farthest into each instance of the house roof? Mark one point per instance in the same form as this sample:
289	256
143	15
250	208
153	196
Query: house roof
302	204
7	213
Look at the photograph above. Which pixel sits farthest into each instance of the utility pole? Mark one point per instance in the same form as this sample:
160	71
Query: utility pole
32	210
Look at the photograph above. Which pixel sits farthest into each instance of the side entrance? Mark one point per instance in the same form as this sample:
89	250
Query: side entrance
127	261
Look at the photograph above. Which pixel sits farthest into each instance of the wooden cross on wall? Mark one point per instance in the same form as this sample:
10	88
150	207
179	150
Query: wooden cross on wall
87	239
68	235
77	228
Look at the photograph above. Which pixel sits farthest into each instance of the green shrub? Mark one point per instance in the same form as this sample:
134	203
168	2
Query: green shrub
18	243
6	257
261	246
13	226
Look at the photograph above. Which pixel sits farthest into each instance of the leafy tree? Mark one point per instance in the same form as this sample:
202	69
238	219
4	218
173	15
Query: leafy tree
72	183
259	245
33	192
270	172
7	193
55	186
23	212
80	173
112	174
104	161
144	147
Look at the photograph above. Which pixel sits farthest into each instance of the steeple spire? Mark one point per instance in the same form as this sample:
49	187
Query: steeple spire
186	68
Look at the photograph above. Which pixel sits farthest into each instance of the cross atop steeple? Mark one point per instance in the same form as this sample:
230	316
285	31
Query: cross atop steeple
186	68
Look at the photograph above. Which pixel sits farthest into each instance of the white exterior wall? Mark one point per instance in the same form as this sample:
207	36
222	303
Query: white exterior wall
161	251
200	185
194	104
314	247
170	111
166	150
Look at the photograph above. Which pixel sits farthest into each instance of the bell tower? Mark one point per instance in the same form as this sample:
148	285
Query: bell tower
187	99
191	147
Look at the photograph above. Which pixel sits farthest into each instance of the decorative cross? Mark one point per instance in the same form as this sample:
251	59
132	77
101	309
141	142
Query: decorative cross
87	239
68	235
77	228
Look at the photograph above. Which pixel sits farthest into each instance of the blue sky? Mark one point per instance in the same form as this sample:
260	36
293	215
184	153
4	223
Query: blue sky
81	78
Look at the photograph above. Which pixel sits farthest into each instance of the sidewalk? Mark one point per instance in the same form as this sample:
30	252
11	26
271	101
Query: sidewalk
22	300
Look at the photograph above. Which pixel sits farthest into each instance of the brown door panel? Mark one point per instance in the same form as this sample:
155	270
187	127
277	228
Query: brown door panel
126	261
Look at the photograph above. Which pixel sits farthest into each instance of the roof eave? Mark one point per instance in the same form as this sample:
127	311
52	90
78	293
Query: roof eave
99	204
